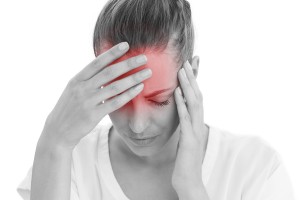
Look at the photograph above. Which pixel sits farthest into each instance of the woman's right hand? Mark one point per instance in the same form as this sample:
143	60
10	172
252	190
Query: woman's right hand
80	107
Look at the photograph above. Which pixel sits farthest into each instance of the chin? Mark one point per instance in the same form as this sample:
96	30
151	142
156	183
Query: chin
141	150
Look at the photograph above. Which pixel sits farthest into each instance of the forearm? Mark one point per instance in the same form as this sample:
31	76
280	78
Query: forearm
51	172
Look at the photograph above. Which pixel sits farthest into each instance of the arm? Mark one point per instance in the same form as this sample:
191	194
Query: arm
51	172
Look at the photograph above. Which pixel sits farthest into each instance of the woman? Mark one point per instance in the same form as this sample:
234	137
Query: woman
156	144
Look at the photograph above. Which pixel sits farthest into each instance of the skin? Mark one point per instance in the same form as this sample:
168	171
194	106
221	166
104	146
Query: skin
83	104
140	117
192	140
81	107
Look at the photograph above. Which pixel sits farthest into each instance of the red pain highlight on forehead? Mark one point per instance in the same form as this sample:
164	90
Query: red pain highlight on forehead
162	67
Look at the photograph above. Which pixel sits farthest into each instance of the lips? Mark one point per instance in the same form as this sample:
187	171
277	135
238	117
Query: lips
143	138
143	142
140	136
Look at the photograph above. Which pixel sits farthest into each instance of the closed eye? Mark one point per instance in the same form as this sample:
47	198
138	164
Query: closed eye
164	103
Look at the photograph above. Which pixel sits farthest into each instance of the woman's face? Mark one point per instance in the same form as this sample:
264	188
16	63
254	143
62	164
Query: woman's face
149	114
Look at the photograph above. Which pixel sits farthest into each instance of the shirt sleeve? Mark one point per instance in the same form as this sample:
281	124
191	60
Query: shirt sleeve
25	185
272	184
278	186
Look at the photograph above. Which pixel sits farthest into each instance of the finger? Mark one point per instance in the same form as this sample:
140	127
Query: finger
192	79
119	100
112	72
120	86
197	109
188	93
101	61
184	117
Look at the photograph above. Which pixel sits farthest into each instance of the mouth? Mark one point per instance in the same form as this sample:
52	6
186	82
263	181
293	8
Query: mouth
142	138
143	141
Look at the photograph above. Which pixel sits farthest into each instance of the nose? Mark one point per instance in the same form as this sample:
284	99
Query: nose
139	118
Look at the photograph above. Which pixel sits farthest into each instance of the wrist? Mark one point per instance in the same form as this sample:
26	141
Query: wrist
49	147
192	191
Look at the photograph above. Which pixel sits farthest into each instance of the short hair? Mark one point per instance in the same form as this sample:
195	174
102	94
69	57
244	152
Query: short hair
147	24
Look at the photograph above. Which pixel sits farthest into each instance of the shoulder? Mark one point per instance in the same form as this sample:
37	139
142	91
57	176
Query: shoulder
246	152
241	143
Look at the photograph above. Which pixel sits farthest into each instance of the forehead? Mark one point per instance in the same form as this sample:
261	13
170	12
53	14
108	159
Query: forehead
162	63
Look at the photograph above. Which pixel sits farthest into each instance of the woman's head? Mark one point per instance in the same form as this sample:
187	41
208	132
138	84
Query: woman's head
148	24
163	31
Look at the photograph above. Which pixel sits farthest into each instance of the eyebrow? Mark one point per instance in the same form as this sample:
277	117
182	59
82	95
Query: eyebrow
154	93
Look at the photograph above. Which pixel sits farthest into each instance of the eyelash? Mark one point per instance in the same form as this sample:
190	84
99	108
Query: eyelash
161	103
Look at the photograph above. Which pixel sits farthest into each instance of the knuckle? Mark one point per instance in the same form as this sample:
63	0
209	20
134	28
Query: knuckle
108	72
186	117
96	61
72	82
113	52
114	88
72	87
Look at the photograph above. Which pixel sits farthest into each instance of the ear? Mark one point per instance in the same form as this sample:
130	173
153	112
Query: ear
195	65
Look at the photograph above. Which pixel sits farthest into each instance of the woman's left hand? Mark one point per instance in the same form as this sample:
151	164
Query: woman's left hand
187	174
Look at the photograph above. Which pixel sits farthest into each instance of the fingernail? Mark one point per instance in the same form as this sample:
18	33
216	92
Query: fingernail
179	91
146	73
141	59
123	46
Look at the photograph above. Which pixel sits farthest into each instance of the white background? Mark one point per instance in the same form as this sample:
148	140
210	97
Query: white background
249	71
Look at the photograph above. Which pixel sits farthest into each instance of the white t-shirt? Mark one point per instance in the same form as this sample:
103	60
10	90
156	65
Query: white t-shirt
235	167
